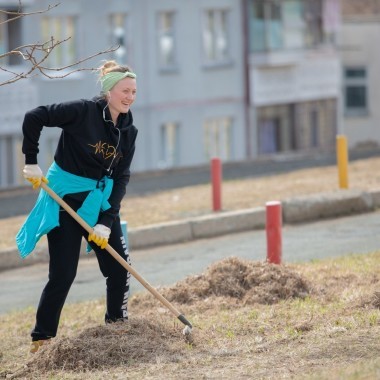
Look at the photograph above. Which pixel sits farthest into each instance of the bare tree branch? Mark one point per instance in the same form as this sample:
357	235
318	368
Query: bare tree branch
36	54
109	50
20	14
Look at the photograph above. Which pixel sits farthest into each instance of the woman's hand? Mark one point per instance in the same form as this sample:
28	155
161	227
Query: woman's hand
100	235
34	175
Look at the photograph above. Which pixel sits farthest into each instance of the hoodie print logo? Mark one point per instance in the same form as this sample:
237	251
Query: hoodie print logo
104	149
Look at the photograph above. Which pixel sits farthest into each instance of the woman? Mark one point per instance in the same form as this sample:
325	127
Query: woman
91	170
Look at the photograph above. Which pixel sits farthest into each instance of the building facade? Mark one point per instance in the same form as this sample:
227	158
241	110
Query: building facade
227	78
360	34
294	74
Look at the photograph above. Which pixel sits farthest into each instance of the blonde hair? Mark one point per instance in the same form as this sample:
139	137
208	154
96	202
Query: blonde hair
110	73
113	66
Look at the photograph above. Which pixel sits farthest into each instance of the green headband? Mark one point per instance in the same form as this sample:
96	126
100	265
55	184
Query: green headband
110	79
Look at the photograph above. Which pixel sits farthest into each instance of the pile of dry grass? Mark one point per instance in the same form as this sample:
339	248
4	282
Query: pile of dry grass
375	301
140	340
234	279
108	346
370	300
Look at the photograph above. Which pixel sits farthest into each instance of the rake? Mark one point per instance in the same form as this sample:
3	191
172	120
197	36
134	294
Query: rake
188	326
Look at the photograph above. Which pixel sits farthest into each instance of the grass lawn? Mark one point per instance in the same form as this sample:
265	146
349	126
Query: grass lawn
252	320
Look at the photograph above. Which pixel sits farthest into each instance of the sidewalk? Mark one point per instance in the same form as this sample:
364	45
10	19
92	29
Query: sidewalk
294	210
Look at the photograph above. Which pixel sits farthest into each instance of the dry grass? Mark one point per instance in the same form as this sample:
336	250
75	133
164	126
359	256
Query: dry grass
237	280
324	324
239	194
251	320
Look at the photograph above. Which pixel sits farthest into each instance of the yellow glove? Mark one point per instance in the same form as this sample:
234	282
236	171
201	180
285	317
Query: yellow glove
100	235
34	175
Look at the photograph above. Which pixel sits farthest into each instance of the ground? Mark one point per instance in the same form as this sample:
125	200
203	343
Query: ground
252	320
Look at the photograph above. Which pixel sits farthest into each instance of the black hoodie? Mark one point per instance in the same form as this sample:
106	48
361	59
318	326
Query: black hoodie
90	145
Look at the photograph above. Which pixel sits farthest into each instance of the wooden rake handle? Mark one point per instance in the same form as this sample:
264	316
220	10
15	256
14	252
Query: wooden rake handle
117	257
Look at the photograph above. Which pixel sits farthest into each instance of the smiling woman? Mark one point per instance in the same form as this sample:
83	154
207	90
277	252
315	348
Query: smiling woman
119	88
91	170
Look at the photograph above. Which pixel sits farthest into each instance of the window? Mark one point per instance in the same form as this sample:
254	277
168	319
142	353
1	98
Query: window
312	16
8	157
269	135
355	91
264	25
11	159
293	24
275	129
118	27
166	40
10	37
218	138
3	35
19	160
50	148
284	24
61	28
170	149
314	129
215	36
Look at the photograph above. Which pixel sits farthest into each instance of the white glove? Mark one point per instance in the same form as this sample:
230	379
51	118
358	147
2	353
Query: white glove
33	174
100	235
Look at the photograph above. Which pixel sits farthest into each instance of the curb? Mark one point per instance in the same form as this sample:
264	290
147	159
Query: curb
294	210
196	228
329	205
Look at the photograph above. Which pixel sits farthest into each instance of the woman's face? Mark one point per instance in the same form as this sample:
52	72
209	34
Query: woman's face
121	96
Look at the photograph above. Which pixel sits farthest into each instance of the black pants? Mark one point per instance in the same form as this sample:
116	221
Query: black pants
64	244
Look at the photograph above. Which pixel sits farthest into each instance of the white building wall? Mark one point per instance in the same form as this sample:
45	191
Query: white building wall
186	96
308	76
360	40
15	100
293	77
192	91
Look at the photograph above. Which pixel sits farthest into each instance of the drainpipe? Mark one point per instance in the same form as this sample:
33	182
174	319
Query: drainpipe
246	79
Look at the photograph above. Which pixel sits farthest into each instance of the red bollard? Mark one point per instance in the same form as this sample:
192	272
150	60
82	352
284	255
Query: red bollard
274	232
216	180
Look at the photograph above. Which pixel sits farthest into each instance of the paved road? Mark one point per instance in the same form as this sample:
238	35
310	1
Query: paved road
166	265
20	201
